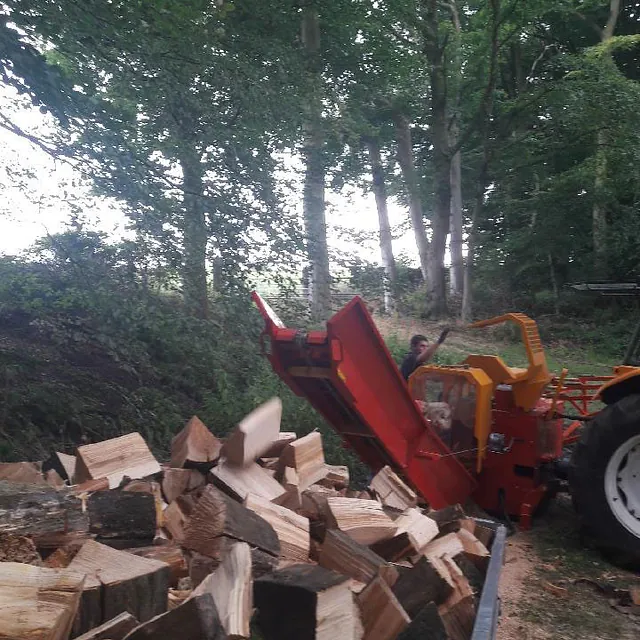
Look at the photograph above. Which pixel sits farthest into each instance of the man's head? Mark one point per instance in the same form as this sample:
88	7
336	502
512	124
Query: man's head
419	344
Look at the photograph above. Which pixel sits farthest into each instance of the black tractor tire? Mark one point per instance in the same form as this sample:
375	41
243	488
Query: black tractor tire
600	439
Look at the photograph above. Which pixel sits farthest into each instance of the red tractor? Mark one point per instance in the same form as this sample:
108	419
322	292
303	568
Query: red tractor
480	430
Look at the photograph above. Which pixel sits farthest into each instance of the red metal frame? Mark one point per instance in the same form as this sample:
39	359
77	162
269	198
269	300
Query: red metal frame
348	375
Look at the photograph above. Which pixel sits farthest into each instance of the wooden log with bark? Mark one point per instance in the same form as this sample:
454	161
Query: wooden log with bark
118	581
122	516
254	434
215	514
383	617
239	482
392	491
427	624
306	456
363	520
115	629
37	602
125	456
195	446
305	602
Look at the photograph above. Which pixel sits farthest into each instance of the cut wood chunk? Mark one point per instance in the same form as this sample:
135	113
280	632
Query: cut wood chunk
382	615
23	472
305	602
178	481
423	583
447	515
447	545
292	529
306	456
363	520
171	554
61	558
254	434
154	489
114	459
125	583
115	629
293	496
194	445
462	587
50	517
122	515
231	587
314	501
277	446
37	602
427	625
63	464
484	534
399	547
271	464
17	548
420	528
343	554
53	479
472	545
337	477
239	482
473	574
101	484
215	514
195	619
392	491
176	516
458	617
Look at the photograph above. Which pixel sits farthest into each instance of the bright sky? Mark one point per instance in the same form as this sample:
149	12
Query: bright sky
41	194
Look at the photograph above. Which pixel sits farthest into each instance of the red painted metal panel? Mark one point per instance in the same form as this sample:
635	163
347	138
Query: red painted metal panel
361	393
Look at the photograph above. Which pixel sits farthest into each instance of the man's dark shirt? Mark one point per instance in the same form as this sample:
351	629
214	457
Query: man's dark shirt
409	365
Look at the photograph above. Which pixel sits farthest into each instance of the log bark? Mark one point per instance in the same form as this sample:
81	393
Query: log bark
17	548
114	459
115	629
38	602
382	615
427	624
254	434
195	446
122	515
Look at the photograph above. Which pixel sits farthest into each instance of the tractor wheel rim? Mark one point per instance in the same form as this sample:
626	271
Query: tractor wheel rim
622	484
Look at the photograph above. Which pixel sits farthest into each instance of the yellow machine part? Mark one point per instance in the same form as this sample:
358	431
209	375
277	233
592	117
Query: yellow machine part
483	386
527	384
621	373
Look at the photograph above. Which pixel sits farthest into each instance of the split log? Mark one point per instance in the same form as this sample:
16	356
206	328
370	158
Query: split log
37	602
176	516
458	616
215	514
306	456
17	548
449	545
63	463
337	477
239	482
231	588
427	624
397	548
114	459
195	446
314	501
420	529
484	534
421	584
50	517
392	491
178	481
120	582
291	484
363	520
195	619
383	617
254	434
456	525
344	555
115	629
448	515
474	549
277	446
122	515
61	558
171	555
22	472
305	602
292	529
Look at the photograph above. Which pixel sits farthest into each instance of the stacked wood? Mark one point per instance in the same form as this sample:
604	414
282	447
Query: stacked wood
292	529
115	629
306	456
118	581
195	446
127	456
254	435
392	491
37	602
304	602
363	520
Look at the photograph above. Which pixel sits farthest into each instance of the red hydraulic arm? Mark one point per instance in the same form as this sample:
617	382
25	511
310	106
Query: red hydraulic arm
348	375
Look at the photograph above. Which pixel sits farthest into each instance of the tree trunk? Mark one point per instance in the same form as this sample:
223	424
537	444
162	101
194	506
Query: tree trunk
456	273
599	210
405	159
386	247
436	292
313	201
194	236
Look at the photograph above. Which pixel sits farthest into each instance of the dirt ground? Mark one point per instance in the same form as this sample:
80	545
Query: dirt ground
554	585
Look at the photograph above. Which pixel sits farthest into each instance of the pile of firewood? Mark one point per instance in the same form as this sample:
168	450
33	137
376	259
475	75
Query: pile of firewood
253	537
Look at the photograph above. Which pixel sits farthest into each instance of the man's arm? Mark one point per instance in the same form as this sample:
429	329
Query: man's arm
427	354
